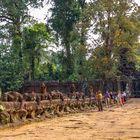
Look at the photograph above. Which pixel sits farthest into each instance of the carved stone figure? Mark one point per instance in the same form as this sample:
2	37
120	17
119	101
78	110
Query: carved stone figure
12	96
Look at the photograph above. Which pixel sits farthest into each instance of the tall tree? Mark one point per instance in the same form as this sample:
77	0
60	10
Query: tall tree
35	42
65	14
14	15
116	25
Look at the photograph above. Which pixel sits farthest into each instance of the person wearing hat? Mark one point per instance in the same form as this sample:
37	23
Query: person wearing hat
99	98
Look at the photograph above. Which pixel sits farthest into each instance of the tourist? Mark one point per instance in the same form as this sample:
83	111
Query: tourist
115	97
124	95
122	98
107	98
119	98
111	98
99	98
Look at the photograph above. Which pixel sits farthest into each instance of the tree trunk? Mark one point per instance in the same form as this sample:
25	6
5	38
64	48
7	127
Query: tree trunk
32	67
69	64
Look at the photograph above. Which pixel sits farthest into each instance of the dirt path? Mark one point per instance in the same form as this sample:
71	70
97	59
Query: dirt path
112	124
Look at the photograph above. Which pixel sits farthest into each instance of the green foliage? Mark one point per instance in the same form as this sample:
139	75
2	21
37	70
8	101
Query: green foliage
35	42
25	46
65	14
116	24
13	15
11	74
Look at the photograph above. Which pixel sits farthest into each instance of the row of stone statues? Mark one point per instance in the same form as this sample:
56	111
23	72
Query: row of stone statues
43	95
16	106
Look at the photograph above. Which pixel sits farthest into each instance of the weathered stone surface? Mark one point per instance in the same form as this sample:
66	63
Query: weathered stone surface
16	108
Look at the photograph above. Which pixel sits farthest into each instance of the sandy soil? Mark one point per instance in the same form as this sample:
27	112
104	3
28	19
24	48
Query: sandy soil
121	123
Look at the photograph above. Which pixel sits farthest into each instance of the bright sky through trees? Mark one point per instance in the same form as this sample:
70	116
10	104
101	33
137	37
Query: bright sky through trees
42	13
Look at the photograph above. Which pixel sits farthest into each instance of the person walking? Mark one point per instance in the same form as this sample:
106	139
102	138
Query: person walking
122	98
115	97
119	98
111	98
124	95
107	99
99	98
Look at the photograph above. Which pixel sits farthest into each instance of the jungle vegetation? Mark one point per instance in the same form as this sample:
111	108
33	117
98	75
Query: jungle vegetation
95	39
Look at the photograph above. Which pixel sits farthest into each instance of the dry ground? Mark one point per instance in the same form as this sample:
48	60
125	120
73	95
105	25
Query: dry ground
122	123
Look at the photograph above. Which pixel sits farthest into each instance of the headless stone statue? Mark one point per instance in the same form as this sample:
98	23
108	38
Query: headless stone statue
12	96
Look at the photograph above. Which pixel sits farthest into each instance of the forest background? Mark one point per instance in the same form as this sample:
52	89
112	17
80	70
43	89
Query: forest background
79	40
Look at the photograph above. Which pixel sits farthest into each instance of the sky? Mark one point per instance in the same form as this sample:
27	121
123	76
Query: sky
42	13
